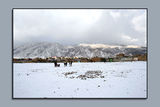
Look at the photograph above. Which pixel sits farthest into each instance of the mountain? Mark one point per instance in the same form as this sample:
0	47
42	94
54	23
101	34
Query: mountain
45	49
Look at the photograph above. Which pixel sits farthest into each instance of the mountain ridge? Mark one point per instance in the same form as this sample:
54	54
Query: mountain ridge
46	49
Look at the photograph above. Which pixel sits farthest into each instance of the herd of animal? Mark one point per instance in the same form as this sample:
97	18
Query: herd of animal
65	64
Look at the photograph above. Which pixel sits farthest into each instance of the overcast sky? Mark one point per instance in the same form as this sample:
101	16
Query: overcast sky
74	26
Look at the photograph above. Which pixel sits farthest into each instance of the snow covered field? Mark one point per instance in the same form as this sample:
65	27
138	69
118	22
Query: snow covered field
82	80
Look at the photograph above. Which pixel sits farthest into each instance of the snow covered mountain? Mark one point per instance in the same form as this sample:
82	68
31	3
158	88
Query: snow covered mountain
45	49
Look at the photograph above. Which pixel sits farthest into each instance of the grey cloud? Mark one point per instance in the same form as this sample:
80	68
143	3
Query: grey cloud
74	27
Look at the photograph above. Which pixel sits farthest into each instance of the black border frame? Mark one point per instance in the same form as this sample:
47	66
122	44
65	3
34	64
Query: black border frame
94	98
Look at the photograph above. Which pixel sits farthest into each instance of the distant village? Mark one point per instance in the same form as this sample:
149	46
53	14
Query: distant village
118	58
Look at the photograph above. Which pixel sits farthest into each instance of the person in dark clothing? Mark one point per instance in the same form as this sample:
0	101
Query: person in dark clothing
70	63
56	65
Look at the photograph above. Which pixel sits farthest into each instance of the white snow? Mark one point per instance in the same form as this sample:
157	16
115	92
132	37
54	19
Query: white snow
46	49
99	45
108	46
43	80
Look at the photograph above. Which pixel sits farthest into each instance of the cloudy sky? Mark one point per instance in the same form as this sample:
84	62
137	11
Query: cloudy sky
75	26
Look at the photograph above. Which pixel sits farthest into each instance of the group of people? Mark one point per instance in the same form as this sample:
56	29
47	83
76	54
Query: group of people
65	64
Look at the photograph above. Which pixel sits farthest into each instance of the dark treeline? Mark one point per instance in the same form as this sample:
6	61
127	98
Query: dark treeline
118	58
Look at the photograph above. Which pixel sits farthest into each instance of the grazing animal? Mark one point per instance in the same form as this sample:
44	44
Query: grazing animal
58	65
65	64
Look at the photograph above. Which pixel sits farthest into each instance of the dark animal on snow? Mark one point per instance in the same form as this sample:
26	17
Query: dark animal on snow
65	64
58	65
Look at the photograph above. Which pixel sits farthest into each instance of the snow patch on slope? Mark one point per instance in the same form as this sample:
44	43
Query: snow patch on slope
107	46
45	49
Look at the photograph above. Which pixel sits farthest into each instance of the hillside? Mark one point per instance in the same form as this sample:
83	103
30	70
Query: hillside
45	49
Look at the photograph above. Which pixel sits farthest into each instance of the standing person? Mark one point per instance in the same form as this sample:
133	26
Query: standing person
65	64
55	63
70	63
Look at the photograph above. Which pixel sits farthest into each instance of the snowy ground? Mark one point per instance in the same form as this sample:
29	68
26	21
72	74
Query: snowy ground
102	80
